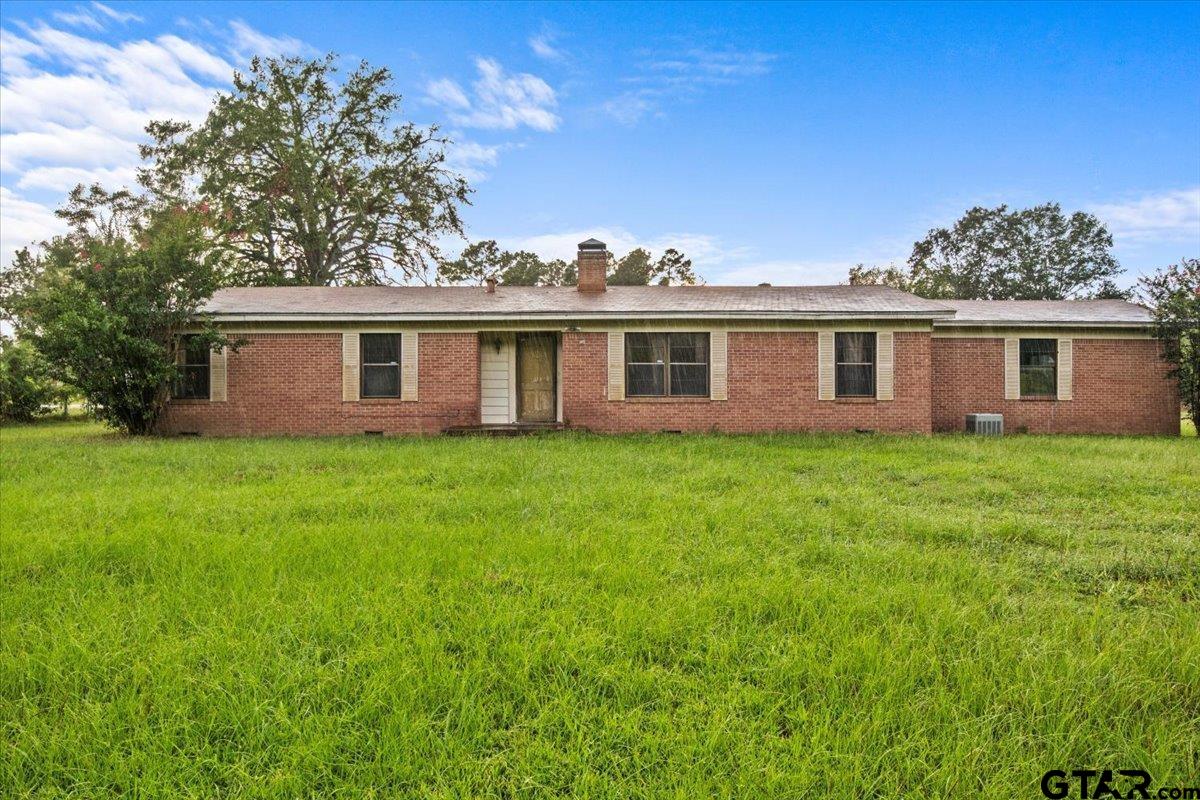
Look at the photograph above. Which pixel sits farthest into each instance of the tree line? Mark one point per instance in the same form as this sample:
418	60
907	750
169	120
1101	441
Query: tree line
299	177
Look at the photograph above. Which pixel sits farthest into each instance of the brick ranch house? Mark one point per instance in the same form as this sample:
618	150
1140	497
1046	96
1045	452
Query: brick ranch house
424	360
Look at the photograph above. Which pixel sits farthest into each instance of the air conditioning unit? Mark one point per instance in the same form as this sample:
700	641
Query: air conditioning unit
986	424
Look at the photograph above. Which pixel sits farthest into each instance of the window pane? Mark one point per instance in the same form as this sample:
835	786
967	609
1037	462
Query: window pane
689	380
1038	352
380	381
381	348
192	383
645	379
195	350
689	348
645	348
855	348
1038	381
855	380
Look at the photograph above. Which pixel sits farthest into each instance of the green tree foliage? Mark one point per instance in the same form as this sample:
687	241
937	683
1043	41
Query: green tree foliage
1173	293
307	182
26	387
484	259
638	268
1034	253
105	303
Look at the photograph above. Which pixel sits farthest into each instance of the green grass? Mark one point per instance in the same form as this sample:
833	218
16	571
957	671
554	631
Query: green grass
604	617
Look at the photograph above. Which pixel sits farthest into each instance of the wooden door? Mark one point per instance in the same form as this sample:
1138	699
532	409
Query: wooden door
536	372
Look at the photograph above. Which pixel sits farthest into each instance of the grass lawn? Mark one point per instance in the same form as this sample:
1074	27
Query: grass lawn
604	617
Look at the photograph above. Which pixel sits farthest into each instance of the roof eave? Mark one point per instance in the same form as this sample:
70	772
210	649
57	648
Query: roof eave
555	315
1048	323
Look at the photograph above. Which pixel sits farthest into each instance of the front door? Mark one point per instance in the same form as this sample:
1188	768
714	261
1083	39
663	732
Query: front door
536	370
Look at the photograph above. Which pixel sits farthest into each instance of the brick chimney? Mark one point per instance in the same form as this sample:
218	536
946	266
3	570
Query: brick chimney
593	264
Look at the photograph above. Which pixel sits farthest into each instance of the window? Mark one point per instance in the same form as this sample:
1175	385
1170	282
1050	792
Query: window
1039	377
854	364
192	381
380	364
661	364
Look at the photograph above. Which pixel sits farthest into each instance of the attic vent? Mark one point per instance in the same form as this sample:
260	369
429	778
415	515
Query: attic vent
986	424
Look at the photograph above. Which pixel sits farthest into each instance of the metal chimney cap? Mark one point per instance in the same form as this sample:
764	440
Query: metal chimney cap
593	244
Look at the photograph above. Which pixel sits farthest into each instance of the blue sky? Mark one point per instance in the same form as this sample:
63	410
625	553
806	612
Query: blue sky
770	142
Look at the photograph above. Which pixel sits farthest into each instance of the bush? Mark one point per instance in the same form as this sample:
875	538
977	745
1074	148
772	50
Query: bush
26	388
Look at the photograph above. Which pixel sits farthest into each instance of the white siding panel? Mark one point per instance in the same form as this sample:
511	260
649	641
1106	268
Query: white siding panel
350	367
825	385
409	369
496	378
218	382
719	365
1012	369
1066	368
616	365
885	366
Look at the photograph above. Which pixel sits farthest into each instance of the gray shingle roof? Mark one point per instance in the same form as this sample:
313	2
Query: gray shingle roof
1045	312
776	302
618	301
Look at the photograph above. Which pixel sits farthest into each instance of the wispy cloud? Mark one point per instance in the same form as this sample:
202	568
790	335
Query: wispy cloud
115	15
1168	216
93	17
472	159
248	42
498	100
682	75
542	45
712	67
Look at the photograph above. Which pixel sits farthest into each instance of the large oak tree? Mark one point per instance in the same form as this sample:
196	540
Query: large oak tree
310	181
1036	253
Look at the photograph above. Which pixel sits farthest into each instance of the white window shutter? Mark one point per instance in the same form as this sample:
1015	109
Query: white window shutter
408	365
825	382
218	376
1012	369
616	365
885	366
350	367
1066	367
718	356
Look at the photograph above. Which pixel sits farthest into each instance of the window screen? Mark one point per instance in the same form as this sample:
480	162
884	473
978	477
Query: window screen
191	382
380	364
1039	376
659	364
854	360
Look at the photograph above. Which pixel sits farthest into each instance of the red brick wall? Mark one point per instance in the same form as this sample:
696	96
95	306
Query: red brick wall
291	383
1118	386
772	387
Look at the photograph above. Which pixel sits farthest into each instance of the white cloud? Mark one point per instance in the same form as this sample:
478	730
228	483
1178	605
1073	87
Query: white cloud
1172	215
786	273
543	47
680	76
469	159
498	100
115	15
713	66
79	18
24	222
247	43
448	94
63	179
75	107
629	107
